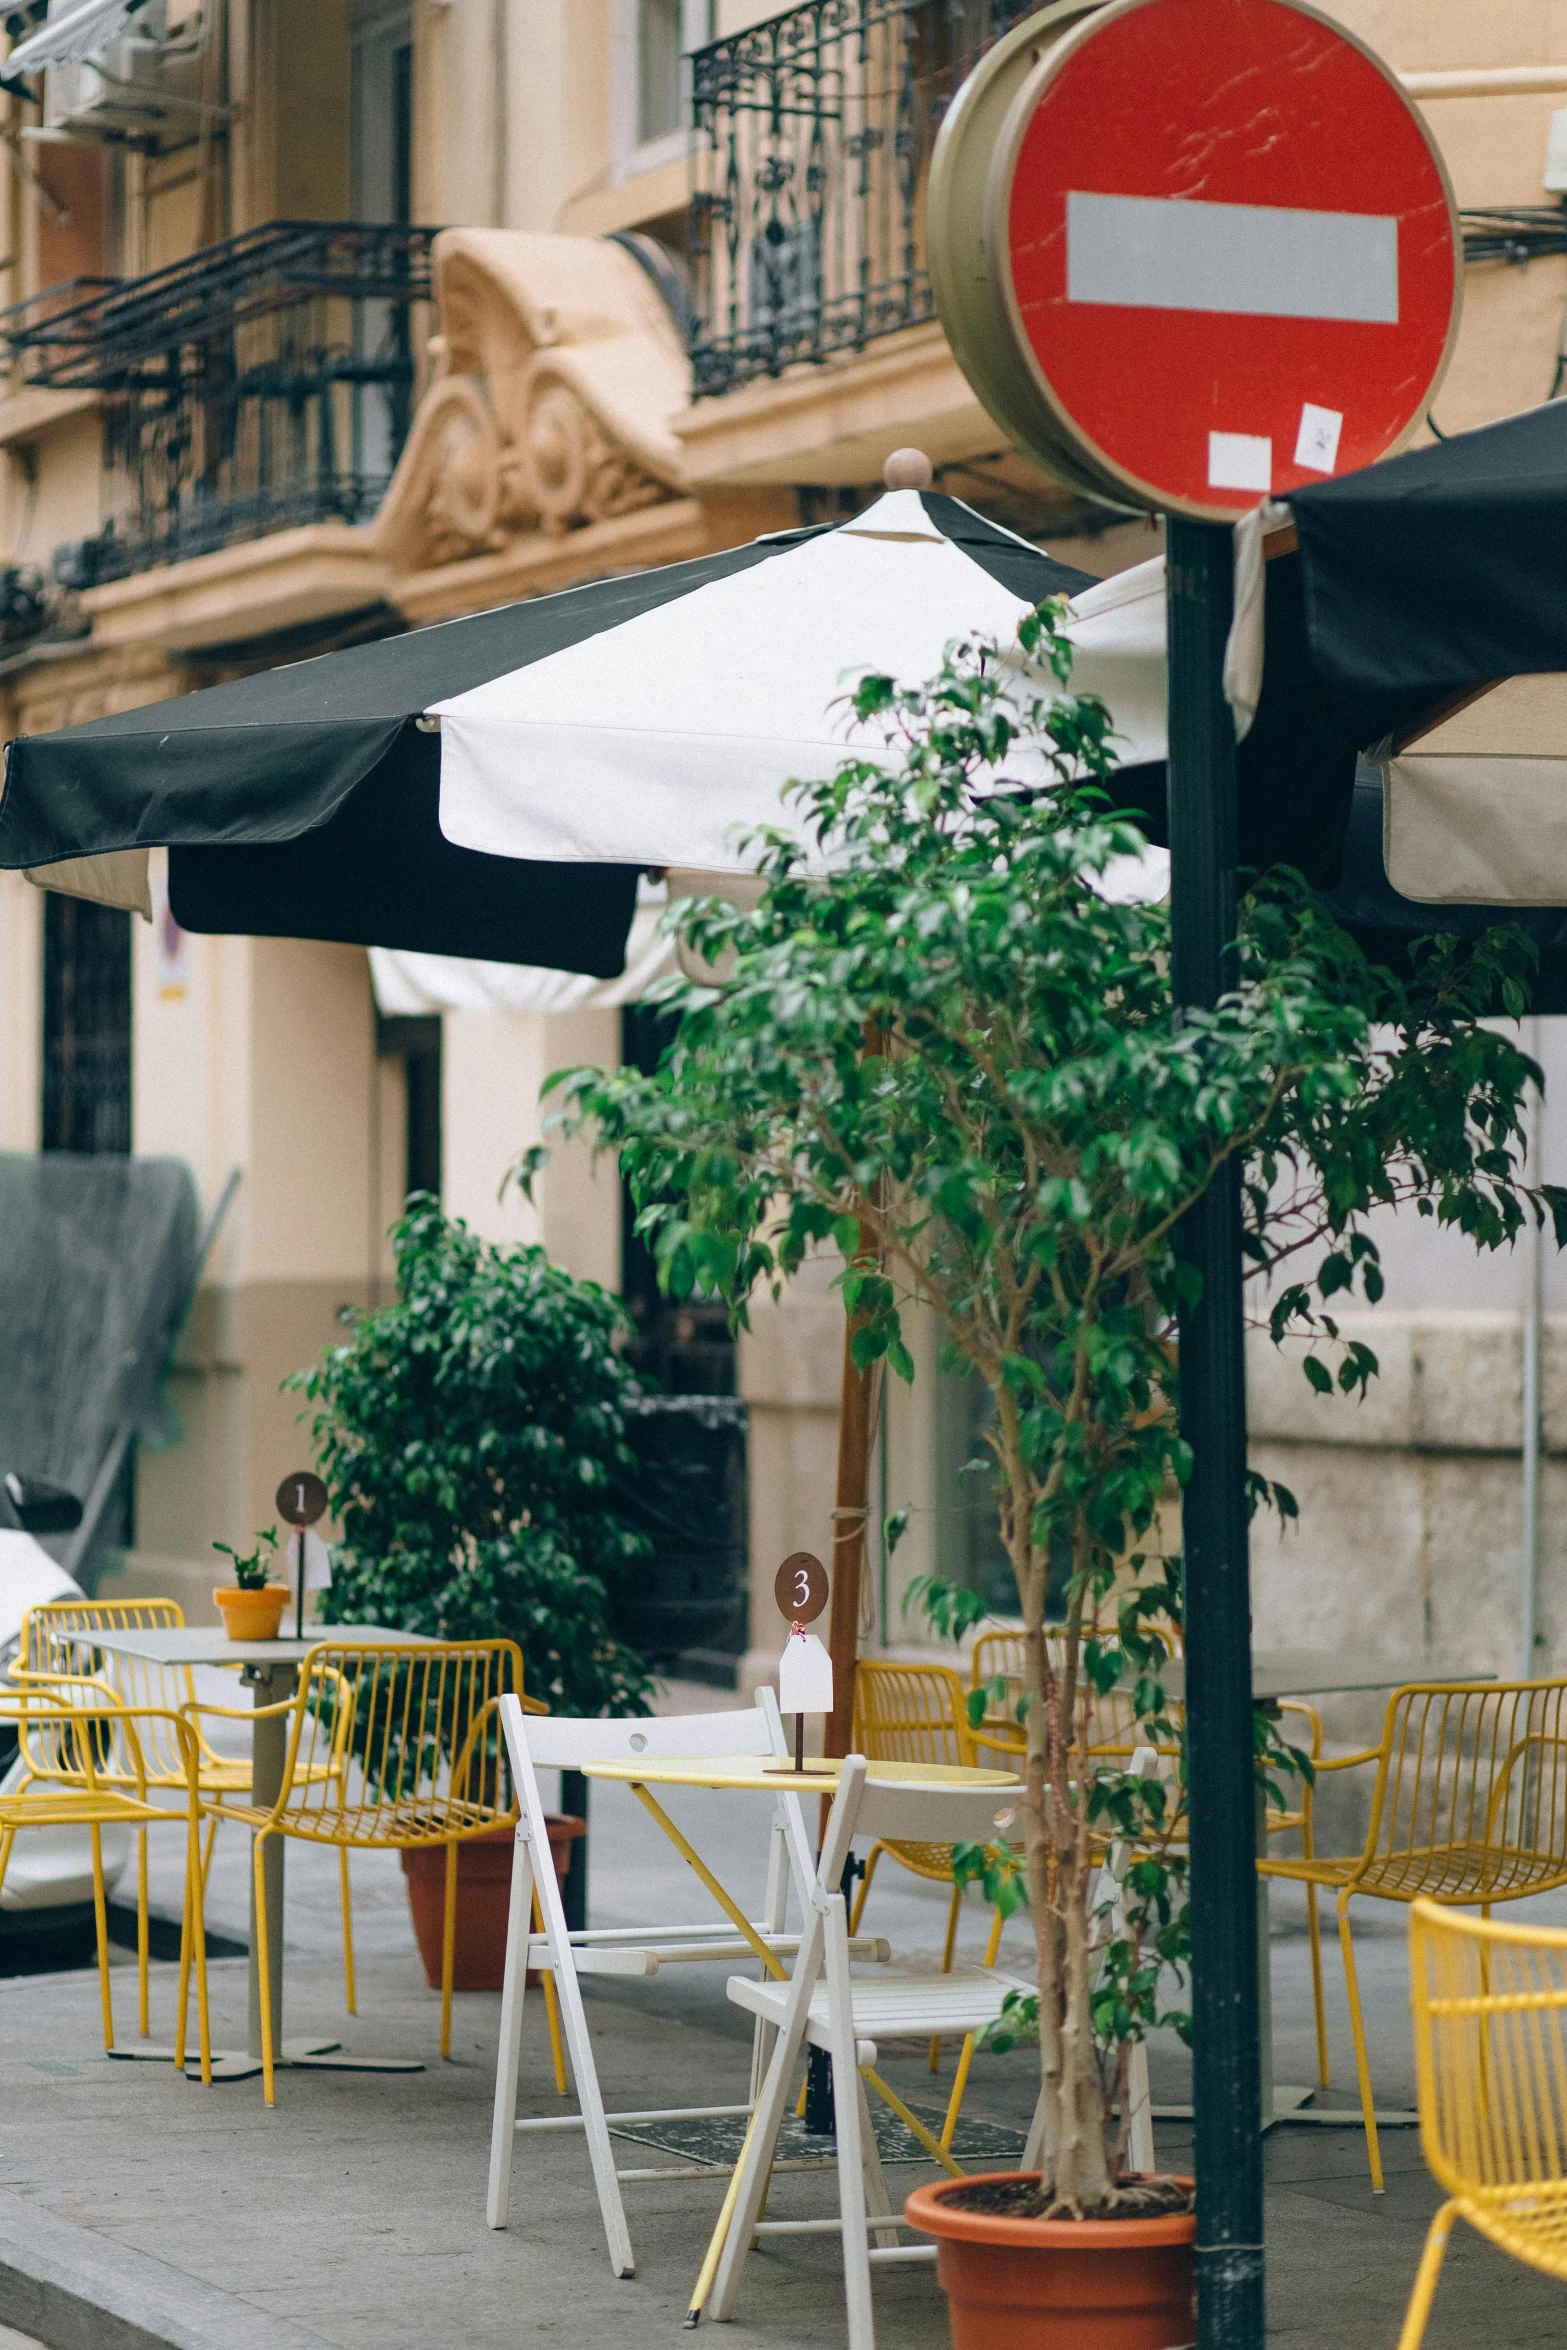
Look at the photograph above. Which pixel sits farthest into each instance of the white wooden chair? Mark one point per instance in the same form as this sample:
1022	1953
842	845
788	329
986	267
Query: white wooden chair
823	2006
538	1742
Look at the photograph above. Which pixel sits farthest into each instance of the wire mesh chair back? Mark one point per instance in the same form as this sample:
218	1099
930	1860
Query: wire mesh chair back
58	1647
399	1745
1470	1803
1490	2008
916	1714
1112	1724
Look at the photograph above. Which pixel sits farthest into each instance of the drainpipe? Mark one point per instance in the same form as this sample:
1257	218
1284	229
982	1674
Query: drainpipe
1534	1266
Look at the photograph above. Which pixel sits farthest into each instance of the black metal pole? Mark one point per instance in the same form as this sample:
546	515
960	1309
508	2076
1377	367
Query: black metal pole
1226	2055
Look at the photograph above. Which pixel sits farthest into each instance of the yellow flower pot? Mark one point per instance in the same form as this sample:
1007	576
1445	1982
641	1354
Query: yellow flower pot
252	1615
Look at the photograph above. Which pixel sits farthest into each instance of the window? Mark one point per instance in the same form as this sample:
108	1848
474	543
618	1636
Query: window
87	1026
648	99
682	1344
658	69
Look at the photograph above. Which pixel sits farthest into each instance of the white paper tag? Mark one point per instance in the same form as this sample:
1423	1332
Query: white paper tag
1240	461
1316	446
318	1562
804	1676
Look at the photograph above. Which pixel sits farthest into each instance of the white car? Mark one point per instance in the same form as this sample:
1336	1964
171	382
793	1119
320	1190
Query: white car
50	1868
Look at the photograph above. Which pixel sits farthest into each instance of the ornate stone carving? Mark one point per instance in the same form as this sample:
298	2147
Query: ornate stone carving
559	370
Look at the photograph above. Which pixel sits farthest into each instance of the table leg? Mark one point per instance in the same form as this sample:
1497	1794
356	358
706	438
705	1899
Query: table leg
268	1752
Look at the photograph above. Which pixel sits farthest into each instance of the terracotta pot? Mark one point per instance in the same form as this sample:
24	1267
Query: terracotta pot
483	1899
252	1615
1061	2284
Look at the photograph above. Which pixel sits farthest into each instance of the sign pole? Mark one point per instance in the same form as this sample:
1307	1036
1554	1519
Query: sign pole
1226	2062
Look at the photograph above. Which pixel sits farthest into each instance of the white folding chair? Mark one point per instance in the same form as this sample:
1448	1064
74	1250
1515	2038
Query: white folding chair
538	1742
823	2006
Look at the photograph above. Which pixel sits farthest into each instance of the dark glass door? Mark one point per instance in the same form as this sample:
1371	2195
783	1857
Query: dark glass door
87	1026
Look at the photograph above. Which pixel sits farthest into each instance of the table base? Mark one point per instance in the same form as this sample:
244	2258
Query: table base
237	2064
1293	2104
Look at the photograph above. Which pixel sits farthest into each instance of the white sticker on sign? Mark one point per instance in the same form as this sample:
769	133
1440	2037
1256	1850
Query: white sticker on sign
1240	461
1316	444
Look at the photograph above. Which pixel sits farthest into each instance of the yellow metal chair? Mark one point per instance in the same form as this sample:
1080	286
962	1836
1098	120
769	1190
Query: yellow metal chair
418	1729
1490	2007
78	1791
57	1645
1469	1808
913	1713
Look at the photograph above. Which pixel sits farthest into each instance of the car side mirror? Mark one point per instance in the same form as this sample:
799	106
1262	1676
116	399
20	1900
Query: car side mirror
31	1505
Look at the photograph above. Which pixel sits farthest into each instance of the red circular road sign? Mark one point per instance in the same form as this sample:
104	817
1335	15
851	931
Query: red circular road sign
1225	252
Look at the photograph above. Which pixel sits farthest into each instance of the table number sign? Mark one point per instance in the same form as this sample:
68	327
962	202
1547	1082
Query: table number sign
301	1499
805	1668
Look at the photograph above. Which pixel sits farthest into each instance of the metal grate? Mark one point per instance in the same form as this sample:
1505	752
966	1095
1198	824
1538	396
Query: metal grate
812	136
260	383
87	1026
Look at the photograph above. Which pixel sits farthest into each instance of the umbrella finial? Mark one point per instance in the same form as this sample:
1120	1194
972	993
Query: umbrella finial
908	469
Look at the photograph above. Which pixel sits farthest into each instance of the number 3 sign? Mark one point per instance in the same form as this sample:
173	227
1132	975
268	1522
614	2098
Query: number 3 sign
800	1588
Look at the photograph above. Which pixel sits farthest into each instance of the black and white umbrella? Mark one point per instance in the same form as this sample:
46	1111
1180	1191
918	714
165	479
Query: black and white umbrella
302	802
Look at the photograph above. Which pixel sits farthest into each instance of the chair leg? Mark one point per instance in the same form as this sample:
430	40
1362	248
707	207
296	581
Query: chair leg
193	1940
954	1907
742	2203
1139	2146
206	1858
100	1911
448	1949
144	2013
1426	2277
851	2153
350	1988
552	2012
503	2128
966	2056
877	2199
1314	1936
264	1973
1362	2061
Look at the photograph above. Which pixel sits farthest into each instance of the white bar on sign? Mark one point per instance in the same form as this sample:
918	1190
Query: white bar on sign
1251	260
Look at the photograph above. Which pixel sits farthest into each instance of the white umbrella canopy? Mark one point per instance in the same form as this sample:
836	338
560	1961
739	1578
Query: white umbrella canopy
667	740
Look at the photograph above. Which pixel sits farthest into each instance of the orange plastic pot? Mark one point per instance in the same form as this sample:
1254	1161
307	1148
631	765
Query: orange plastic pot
252	1615
483	1901
1060	2284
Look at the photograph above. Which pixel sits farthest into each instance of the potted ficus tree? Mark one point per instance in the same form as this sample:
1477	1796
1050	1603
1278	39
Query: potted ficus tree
469	1435
252	1605
954	1055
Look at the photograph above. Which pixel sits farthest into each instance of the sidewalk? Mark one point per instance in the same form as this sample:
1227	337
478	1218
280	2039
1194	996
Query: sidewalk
139	2211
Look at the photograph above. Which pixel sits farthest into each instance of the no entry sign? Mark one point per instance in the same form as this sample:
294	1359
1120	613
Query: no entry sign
1220	253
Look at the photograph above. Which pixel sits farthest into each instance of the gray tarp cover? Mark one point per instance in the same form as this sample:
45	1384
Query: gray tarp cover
96	1257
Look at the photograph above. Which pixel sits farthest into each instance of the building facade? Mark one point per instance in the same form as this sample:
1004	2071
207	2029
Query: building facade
255	406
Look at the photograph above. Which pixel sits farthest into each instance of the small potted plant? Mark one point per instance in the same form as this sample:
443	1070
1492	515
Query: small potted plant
252	1605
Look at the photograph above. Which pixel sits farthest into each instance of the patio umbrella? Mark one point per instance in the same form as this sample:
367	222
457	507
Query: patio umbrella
301	802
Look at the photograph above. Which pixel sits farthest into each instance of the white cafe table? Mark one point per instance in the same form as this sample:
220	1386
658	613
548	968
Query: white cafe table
270	1668
1277	1673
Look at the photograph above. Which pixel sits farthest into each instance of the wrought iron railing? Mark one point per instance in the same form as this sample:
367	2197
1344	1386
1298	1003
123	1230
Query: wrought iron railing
263	382
811	145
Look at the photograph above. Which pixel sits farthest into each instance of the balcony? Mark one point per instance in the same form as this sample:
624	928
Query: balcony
259	385
812	136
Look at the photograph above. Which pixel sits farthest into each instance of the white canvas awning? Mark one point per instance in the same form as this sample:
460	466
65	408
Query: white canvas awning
1474	807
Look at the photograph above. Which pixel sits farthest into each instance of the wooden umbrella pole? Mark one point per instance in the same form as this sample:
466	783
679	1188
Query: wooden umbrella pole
848	1547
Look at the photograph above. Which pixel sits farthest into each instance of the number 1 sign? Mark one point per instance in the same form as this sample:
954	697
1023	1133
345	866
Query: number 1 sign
301	1499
